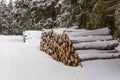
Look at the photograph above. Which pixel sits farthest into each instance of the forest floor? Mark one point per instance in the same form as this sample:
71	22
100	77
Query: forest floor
25	61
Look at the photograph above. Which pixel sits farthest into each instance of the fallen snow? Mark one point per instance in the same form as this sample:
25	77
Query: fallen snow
25	61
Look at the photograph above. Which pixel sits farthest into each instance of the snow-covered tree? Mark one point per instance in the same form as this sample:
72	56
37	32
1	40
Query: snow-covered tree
21	14
35	14
3	17
64	18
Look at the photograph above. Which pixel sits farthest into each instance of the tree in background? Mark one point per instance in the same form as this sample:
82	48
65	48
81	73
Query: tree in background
96	14
117	21
38	14
4	18
21	14
64	18
35	14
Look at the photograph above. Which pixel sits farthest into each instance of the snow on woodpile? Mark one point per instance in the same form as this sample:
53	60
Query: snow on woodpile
92	39
103	31
101	45
99	39
88	56
94	44
98	54
32	35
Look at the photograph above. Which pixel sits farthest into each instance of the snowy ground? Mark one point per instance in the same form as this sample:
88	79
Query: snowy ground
24	61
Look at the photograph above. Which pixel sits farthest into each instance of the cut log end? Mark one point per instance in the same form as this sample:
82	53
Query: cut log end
60	48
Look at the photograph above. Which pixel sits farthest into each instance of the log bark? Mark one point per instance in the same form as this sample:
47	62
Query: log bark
97	58
99	45
96	51
97	55
103	31
90	38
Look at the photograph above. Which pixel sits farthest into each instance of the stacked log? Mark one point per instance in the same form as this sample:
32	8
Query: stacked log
60	47
99	45
94	44
68	46
99	39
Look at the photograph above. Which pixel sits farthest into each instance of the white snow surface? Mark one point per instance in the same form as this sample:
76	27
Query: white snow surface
25	61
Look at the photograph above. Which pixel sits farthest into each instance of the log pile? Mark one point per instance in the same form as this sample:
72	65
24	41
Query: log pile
94	44
60	47
68	46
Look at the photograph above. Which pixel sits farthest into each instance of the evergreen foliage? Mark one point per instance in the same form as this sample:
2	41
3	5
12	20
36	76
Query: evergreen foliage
38	14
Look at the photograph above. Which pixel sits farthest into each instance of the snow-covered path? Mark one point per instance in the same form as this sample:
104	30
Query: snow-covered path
24	61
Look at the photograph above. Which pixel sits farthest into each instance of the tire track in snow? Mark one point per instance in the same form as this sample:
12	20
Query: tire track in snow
6	44
5	63
7	47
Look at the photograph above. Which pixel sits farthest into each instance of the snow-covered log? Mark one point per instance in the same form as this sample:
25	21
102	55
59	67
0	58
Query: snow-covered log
103	31
100	58
97	55
96	51
100	45
65	47
89	38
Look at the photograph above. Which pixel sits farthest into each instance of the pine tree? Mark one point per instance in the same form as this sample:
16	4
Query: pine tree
117	22
3	18
21	14
35	14
64	19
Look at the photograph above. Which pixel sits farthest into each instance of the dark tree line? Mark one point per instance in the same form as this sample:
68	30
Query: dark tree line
38	14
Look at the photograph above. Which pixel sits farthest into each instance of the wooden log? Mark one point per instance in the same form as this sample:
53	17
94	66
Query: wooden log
67	53
72	58
59	47
74	30
62	48
65	62
92	55
96	51
63	36
66	58
69	63
76	55
72	49
100	58
100	45
103	31
90	38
